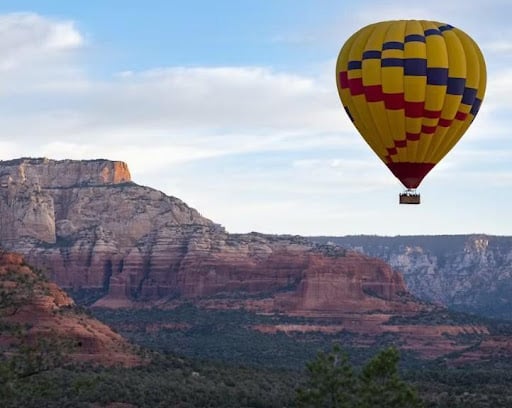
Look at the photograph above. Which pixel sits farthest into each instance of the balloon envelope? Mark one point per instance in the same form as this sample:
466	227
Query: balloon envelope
411	88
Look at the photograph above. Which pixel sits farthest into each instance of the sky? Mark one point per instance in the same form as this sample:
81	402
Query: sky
232	107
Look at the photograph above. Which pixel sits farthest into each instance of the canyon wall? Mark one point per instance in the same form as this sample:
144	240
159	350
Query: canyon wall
471	273
90	227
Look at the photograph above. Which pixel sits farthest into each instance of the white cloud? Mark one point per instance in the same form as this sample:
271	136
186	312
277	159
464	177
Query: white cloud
25	37
500	46
499	89
63	36
222	98
224	110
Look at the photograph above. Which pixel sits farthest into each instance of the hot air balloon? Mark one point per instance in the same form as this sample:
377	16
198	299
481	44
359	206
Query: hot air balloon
411	88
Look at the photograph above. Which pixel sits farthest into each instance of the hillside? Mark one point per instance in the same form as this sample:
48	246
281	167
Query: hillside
92	229
116	244
36	313
470	273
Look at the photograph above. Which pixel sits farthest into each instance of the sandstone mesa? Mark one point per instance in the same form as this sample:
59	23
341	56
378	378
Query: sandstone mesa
90	227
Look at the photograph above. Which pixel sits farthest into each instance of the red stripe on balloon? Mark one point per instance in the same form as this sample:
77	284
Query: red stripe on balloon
392	151
414	109
344	79
445	122
430	114
373	93
428	129
400	143
356	86
410	174
394	101
461	115
412	136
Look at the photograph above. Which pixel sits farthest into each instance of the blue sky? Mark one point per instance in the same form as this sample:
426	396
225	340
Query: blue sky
232	107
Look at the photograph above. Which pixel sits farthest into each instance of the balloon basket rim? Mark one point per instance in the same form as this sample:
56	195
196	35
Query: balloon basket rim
409	196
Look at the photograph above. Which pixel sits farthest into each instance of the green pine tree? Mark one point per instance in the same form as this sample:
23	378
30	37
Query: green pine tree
381	386
333	383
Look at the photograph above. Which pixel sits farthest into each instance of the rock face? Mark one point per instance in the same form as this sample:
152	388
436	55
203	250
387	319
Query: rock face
27	206
90	227
356	282
32	308
471	273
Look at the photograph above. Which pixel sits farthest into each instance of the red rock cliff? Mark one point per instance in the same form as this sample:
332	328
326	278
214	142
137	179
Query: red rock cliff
29	301
90	227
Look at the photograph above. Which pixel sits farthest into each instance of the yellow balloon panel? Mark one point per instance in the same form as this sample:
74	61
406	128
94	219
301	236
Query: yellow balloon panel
411	88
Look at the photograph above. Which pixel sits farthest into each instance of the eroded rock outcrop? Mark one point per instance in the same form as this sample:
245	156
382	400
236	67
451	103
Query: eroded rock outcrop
88	226
32	309
91	227
471	273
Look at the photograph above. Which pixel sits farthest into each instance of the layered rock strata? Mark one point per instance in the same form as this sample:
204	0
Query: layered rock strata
33	309
471	273
90	227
